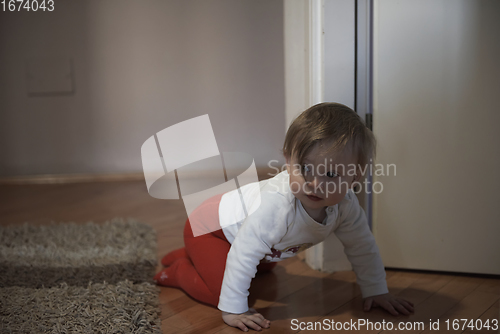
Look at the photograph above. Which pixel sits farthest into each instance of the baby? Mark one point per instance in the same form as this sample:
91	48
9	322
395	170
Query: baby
326	148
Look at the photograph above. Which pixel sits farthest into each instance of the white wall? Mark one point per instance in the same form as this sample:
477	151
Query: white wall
339	57
140	67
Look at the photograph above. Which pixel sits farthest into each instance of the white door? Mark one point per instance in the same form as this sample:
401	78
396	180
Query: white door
437	117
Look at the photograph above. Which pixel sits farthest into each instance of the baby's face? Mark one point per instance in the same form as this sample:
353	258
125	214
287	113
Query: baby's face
323	179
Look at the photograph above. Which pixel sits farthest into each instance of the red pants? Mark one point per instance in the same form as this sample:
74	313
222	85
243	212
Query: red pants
198	268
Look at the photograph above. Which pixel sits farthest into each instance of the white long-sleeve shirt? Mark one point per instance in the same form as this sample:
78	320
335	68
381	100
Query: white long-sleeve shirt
280	228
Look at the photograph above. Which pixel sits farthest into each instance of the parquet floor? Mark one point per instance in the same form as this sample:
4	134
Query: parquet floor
291	291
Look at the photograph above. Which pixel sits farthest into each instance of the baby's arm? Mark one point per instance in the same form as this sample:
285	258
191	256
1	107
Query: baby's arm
390	303
250	319
241	266
362	251
254	240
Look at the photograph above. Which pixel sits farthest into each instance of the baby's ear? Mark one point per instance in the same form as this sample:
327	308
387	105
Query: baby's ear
358	175
287	160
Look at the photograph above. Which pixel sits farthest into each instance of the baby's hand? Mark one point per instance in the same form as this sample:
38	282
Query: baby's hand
389	303
250	318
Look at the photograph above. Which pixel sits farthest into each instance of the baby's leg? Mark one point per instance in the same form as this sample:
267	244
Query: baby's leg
208	254
173	256
199	275
182	274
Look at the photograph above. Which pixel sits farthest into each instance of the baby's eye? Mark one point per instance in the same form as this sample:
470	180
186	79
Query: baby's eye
332	174
306	168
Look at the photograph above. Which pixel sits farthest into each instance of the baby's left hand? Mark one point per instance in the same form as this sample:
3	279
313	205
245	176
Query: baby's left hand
388	302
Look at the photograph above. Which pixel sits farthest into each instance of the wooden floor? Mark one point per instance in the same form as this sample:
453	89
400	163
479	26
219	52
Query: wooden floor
292	291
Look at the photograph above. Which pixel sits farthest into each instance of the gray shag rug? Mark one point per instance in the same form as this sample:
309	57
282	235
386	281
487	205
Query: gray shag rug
78	278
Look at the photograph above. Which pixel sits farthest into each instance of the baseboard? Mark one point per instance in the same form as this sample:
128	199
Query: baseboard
70	178
263	173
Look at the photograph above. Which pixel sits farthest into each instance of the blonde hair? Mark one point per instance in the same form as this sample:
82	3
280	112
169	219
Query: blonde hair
332	123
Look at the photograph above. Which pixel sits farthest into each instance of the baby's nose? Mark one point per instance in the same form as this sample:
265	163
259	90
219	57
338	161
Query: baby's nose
314	183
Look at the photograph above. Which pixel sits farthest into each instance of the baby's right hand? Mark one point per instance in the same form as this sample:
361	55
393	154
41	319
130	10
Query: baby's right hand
250	318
